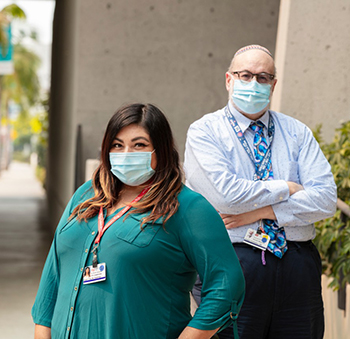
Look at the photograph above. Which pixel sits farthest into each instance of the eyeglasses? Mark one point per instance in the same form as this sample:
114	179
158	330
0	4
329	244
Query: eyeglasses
261	78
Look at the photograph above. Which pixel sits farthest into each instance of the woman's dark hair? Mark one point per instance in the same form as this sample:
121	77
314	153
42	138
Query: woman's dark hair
161	199
87	268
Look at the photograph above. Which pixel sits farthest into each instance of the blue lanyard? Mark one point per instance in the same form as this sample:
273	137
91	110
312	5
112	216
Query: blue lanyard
271	132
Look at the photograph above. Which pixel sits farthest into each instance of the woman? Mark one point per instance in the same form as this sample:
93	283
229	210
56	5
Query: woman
87	275
143	235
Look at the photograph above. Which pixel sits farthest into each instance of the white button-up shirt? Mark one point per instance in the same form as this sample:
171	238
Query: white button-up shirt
217	166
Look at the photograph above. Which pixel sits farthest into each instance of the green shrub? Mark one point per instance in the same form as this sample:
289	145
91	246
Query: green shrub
333	234
20	156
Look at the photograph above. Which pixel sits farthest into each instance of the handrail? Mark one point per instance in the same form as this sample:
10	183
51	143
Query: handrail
78	170
344	208
345	214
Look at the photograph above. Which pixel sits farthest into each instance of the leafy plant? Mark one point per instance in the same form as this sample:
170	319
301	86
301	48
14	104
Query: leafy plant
333	234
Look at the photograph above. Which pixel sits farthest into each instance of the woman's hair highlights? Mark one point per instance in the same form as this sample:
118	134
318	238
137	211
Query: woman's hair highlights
161	199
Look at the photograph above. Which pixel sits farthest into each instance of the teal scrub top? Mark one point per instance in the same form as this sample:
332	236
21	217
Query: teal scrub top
150	273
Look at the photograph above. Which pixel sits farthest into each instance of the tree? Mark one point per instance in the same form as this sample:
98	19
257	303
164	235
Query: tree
6	15
21	87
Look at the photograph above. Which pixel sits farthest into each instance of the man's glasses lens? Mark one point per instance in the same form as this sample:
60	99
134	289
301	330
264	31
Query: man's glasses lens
262	78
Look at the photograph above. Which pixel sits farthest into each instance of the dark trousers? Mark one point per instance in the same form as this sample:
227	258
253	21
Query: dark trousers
283	298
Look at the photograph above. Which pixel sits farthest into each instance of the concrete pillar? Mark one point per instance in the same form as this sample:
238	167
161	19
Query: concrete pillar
61	151
173	54
313	69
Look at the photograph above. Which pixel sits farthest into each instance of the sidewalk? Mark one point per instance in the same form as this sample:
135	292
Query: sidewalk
24	243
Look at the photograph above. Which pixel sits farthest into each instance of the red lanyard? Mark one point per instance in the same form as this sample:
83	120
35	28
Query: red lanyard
101	222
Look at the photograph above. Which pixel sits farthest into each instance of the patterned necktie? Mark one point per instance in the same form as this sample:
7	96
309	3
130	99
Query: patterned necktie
278	242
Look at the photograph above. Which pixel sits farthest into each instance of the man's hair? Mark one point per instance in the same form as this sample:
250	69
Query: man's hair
248	48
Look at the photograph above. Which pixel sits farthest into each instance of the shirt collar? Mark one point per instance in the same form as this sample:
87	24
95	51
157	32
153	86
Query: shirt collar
245	122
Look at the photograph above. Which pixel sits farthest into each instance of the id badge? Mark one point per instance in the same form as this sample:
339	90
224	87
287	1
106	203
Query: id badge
94	274
256	239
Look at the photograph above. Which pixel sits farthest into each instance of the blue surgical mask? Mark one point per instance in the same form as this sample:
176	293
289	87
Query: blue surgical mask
132	168
251	97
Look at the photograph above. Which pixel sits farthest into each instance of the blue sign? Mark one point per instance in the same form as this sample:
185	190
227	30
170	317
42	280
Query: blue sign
6	53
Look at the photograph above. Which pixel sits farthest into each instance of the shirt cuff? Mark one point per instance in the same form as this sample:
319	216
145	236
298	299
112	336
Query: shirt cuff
208	322
279	188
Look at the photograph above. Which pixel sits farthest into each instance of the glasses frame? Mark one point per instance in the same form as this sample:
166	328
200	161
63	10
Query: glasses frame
254	75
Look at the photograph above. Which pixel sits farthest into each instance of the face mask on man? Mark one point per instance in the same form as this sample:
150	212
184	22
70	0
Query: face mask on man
251	97
132	168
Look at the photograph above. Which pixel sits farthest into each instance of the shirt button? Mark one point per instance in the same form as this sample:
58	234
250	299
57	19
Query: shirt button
281	198
93	233
71	308
68	328
255	205
75	288
86	250
81	270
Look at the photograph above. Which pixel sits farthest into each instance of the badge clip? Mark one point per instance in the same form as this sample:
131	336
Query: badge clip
94	258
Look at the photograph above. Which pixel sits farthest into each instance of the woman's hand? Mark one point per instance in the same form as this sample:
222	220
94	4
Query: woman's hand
194	333
42	332
238	220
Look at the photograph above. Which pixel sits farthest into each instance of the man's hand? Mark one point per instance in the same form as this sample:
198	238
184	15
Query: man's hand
237	220
294	187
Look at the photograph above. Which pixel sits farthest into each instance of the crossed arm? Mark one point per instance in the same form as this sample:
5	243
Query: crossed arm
215	172
237	220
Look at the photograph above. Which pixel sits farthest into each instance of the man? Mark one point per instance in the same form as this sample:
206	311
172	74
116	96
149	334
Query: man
266	175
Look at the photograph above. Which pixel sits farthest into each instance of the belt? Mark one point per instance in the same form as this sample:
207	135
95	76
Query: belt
298	244
291	244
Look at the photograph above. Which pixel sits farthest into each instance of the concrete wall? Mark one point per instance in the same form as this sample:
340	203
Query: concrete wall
337	322
312	59
170	53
